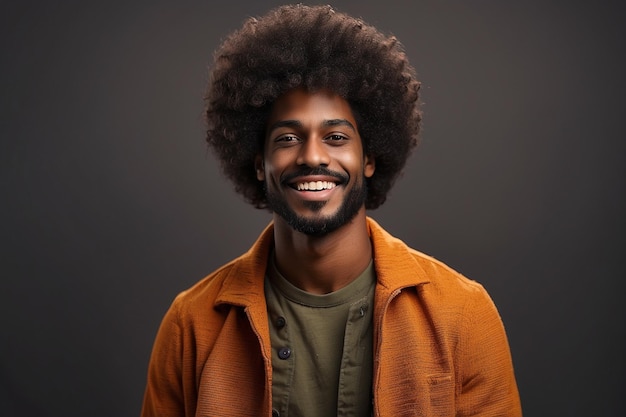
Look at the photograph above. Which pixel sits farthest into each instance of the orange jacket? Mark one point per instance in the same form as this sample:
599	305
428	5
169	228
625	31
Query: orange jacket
439	345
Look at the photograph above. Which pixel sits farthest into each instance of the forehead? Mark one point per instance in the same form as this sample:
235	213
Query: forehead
303	105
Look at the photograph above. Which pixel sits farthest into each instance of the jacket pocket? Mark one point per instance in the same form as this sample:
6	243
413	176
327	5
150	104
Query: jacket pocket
441	393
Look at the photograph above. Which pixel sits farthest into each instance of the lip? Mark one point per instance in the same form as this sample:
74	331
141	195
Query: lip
293	182
321	195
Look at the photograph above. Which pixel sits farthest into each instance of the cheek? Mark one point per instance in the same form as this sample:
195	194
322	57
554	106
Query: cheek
280	159
354	163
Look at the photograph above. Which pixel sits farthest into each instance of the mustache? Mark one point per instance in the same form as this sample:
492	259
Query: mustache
303	172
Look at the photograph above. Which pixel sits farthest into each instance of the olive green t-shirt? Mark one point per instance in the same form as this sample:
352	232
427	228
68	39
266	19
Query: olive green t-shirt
321	347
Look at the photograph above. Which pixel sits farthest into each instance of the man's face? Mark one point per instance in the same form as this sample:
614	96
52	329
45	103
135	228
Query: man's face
313	163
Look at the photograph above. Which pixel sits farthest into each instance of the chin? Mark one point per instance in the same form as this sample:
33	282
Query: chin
318	224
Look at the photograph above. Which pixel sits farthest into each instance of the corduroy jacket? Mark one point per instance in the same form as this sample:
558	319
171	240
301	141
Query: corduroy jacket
440	348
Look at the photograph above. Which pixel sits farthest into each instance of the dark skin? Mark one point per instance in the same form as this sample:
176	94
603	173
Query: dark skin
306	131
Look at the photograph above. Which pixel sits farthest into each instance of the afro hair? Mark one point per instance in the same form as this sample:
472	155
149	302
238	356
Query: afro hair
311	47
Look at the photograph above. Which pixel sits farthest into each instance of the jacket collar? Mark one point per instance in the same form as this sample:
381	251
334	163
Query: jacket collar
244	282
395	264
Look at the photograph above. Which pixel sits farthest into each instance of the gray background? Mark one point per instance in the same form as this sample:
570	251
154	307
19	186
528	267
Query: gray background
111	205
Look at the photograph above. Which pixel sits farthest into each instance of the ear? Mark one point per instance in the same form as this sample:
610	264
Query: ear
369	166
259	166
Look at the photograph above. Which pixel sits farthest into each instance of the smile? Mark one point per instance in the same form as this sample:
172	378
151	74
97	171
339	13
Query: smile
315	185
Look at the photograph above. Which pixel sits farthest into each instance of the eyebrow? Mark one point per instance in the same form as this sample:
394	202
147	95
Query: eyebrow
298	124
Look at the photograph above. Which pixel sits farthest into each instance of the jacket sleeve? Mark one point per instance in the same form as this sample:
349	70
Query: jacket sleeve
485	369
164	393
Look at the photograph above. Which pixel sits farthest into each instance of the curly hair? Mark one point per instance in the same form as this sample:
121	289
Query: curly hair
315	47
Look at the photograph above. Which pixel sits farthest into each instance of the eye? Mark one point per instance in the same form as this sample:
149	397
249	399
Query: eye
287	138
336	138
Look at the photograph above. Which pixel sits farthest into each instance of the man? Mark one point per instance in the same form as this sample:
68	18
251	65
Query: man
312	114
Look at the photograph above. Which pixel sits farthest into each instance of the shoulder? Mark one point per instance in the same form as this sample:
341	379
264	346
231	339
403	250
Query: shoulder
400	266
200	298
208	286
453	298
238	282
441	275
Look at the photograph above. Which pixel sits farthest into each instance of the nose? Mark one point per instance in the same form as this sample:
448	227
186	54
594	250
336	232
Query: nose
313	153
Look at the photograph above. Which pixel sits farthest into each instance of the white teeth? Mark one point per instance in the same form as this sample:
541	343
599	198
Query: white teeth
315	185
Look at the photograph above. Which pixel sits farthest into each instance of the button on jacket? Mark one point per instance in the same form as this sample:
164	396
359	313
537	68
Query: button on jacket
440	348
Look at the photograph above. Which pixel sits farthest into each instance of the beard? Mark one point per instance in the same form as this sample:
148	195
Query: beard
320	225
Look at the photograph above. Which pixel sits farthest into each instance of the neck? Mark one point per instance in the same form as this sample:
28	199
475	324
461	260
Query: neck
322	264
